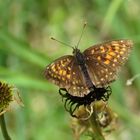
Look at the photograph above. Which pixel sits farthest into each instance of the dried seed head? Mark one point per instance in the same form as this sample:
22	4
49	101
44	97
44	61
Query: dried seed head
7	97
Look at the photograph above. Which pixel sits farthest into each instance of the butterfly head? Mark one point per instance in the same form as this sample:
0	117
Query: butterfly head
75	51
79	56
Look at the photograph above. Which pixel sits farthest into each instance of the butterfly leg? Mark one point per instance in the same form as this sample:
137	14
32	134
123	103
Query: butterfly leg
69	103
63	92
107	94
66	104
72	110
109	90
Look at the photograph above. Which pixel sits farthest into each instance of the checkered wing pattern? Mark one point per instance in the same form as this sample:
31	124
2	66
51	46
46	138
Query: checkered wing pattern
104	60
65	73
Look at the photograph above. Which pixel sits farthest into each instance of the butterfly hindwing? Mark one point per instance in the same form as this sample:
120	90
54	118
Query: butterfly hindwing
104	60
78	84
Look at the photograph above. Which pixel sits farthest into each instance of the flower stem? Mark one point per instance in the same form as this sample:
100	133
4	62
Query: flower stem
95	126
3	128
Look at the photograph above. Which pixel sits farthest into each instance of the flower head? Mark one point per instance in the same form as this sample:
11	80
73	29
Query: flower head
7	97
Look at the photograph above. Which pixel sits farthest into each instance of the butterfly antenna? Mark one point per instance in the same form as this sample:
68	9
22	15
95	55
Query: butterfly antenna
81	34
62	42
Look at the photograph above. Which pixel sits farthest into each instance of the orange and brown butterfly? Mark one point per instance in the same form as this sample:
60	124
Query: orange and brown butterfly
102	62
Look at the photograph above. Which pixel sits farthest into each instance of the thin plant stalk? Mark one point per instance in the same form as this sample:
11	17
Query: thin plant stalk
95	126
3	128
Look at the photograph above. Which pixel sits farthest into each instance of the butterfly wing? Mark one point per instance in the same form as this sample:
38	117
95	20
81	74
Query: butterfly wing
104	60
65	73
78	82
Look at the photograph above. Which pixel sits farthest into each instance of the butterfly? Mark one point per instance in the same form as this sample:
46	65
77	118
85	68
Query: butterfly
97	66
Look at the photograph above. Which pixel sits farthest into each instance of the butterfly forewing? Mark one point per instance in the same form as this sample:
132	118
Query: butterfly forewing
58	72
104	60
65	73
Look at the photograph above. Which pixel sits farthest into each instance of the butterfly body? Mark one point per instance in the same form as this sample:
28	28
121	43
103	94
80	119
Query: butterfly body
80	60
96	67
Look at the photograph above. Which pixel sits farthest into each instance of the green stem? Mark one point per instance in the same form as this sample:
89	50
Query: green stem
95	126
3	128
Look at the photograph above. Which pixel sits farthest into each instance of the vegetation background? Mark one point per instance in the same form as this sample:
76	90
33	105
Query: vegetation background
26	49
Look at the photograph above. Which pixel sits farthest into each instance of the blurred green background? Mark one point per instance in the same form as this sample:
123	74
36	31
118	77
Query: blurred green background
26	49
